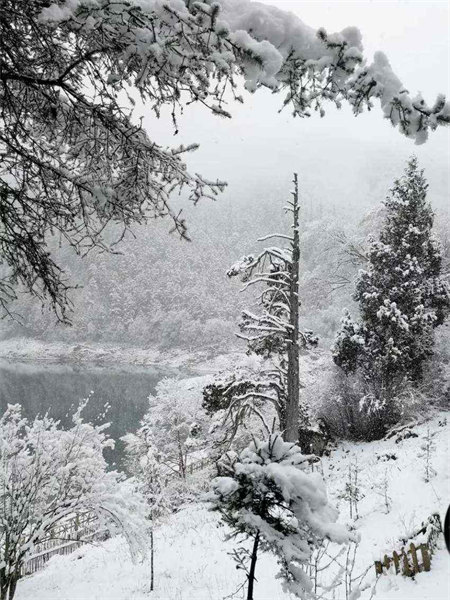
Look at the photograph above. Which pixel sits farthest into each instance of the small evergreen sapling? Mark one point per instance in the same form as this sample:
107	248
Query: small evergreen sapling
381	488
265	494
428	448
353	492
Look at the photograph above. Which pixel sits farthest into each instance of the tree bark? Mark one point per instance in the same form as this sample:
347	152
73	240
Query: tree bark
293	371
8	584
251	573
12	586
152	565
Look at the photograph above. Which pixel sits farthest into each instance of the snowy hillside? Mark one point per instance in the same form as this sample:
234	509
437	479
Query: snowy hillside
191	558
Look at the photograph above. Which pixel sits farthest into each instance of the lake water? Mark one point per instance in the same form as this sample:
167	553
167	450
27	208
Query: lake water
58	388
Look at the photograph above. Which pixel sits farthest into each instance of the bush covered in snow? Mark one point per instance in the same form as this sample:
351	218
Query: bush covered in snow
170	442
48	474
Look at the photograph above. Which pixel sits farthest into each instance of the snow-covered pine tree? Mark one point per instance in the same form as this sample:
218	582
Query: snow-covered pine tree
401	295
265	494
274	333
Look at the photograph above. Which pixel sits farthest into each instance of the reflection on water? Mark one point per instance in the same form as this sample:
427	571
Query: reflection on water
58	388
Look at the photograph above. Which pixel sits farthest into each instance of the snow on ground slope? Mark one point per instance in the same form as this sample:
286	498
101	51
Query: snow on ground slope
191	558
396	499
191	562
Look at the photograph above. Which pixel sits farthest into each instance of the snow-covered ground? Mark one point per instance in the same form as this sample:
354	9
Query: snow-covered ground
191	557
27	349
398	469
207	361
33	350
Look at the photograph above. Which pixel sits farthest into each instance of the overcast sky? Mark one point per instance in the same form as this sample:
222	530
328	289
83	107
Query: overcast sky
340	158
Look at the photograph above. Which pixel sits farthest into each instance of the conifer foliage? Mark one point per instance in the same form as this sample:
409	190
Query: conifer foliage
401	295
274	332
74	159
266	495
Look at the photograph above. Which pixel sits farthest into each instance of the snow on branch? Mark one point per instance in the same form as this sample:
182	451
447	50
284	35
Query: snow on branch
314	66
275	235
49	475
269	46
74	151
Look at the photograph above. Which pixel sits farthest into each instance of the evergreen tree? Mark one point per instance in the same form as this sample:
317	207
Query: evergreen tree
401	295
266	495
274	333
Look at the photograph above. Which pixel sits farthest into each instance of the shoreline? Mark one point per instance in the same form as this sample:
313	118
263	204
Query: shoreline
37	351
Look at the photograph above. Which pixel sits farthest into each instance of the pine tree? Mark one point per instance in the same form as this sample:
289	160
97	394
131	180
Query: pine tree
401	296
265	494
274	333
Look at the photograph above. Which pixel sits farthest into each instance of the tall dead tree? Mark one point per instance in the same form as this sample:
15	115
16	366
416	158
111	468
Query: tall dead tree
274	333
293	373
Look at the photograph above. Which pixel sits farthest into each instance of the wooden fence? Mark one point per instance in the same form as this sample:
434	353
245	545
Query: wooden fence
37	561
191	468
198	465
64	539
80	529
416	557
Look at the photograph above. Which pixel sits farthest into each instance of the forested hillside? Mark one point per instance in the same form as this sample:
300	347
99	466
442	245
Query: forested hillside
166	293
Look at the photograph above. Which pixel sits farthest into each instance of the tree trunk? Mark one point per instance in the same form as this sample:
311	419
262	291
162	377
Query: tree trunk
12	586
181	458
293	371
251	573
8	584
152	566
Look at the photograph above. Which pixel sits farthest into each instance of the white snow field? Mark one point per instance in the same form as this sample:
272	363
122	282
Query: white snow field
191	561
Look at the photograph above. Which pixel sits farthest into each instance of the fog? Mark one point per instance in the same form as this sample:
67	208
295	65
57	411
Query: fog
339	158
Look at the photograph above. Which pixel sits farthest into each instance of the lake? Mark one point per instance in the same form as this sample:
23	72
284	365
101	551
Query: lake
58	388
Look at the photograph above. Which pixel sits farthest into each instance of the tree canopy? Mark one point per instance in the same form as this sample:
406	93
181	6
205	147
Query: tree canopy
402	296
73	157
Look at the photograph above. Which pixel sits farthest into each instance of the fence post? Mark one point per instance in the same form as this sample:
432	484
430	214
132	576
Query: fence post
396	558
386	562
425	557
406	567
416	567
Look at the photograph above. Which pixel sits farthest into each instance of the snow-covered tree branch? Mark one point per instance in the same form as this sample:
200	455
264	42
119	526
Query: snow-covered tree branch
274	332
265	494
73	158
48	475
